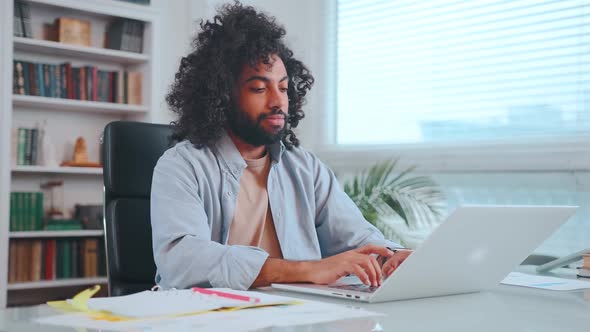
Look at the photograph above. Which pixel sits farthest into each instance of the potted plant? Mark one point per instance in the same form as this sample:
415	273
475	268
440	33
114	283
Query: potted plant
397	203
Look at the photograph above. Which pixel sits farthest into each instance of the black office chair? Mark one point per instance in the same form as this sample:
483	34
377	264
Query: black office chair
130	152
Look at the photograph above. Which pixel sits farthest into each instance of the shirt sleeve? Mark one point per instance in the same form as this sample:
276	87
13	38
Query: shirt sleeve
183	250
340	224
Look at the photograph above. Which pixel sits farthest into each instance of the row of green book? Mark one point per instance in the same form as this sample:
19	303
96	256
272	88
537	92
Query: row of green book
51	259
27	214
62	224
26	211
25	146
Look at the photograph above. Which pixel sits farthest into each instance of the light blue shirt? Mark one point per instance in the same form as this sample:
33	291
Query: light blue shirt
193	199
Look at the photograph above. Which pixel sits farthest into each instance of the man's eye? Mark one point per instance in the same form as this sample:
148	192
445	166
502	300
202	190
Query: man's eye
257	89
283	89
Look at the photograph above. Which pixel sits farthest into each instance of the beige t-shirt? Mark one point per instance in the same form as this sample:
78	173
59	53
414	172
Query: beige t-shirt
253	224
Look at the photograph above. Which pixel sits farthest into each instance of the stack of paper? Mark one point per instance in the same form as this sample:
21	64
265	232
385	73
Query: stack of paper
183	310
175	302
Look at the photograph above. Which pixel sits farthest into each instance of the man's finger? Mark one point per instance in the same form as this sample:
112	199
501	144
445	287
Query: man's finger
388	268
361	274
378	269
386	271
375	249
374	273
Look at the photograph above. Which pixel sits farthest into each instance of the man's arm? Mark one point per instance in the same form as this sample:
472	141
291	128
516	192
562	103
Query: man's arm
359	262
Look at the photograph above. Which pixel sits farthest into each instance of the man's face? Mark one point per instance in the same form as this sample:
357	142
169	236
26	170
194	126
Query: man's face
261	103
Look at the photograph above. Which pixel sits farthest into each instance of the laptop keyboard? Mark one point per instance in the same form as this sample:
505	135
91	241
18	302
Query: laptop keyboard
357	288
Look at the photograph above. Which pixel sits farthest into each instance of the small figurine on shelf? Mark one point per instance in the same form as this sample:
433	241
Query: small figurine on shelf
54	190
80	156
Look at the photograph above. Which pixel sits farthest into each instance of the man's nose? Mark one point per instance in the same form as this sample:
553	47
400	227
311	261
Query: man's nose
277	99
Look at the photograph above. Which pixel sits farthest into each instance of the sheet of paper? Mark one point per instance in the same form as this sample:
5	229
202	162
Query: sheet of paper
174	302
308	312
543	282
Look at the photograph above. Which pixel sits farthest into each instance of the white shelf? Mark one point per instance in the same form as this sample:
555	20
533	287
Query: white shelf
57	170
53	234
81	52
70	105
57	283
105	7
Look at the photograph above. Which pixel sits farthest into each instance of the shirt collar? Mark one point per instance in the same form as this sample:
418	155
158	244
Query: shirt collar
234	160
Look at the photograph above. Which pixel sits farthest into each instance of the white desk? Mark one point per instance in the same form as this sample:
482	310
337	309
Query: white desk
507	308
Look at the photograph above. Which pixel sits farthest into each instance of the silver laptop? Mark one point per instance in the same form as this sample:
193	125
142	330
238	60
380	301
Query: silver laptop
474	249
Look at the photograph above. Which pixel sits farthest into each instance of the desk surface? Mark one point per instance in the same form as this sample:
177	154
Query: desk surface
506	308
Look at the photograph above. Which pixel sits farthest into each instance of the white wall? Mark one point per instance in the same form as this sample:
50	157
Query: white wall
175	33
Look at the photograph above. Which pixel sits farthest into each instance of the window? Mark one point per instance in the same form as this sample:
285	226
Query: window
462	71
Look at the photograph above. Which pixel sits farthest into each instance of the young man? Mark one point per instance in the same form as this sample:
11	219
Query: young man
237	203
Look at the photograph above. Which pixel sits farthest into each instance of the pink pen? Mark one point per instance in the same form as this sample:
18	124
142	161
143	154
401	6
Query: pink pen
207	291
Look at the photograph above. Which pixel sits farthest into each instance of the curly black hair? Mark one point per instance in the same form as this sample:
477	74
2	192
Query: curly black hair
201	94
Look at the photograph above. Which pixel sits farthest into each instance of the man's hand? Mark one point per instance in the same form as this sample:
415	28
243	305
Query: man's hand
394	261
359	262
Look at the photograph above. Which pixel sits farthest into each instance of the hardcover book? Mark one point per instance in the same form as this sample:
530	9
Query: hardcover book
73	31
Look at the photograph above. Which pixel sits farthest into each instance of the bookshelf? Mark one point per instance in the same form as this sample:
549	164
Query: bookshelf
43	104
89	53
57	283
56	234
57	170
65	120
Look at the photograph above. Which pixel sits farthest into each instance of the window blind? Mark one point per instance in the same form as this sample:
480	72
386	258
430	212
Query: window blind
462	71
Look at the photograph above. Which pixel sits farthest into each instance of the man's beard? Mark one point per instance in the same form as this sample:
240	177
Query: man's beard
251	131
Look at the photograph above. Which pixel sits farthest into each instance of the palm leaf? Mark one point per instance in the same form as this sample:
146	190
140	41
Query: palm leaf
381	192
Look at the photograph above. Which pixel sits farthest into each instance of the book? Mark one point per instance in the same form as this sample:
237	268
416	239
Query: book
17	21
24	258
125	35
21	149
27	85
12	261
73	31
134	88
90	252
63	225
12	212
36	260
14	146
33	76
34	145
19	79
26	19
49	272
39	79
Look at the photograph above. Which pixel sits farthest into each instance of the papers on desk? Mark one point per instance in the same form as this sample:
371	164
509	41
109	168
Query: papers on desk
176	302
543	282
174	311
306	313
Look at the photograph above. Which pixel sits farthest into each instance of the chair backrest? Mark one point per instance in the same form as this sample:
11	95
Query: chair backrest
130	152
